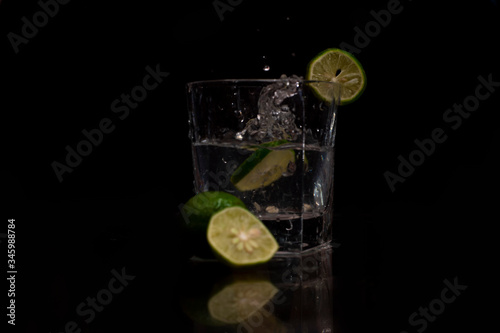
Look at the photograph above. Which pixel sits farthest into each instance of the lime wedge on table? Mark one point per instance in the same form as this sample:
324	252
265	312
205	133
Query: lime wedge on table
196	214
263	167
337	65
240	300
199	209
239	238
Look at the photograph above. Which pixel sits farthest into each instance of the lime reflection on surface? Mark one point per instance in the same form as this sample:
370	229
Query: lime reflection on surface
292	293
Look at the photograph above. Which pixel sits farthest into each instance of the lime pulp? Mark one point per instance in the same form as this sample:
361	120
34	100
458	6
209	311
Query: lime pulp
336	65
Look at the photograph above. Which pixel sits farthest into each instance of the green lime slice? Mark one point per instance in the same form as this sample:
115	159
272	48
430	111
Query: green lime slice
199	209
195	216
337	65
240	300
263	167
239	238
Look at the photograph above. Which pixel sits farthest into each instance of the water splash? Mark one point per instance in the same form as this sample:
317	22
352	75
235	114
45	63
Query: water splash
275	119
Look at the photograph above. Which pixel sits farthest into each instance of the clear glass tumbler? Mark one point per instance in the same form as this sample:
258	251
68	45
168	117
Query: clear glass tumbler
270	143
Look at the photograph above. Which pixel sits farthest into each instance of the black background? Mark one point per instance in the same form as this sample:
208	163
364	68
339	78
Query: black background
116	209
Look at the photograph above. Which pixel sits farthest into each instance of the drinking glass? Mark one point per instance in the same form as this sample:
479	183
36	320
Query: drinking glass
271	144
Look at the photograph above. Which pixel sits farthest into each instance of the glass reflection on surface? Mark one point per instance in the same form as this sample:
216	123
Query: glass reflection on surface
292	293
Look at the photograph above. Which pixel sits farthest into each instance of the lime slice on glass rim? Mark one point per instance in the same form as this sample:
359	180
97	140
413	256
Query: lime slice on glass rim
239	238
337	65
263	167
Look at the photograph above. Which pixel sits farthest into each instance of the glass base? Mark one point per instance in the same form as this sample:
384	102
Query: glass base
300	234
306	250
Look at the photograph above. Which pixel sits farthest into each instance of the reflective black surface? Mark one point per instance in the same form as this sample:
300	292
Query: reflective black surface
290	293
100	251
124	272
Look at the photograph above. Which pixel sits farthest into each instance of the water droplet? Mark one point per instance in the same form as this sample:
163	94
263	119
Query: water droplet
267	68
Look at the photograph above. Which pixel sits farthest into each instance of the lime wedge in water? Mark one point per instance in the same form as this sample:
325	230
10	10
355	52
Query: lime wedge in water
263	167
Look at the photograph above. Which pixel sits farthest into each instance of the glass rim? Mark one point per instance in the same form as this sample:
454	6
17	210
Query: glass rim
269	81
